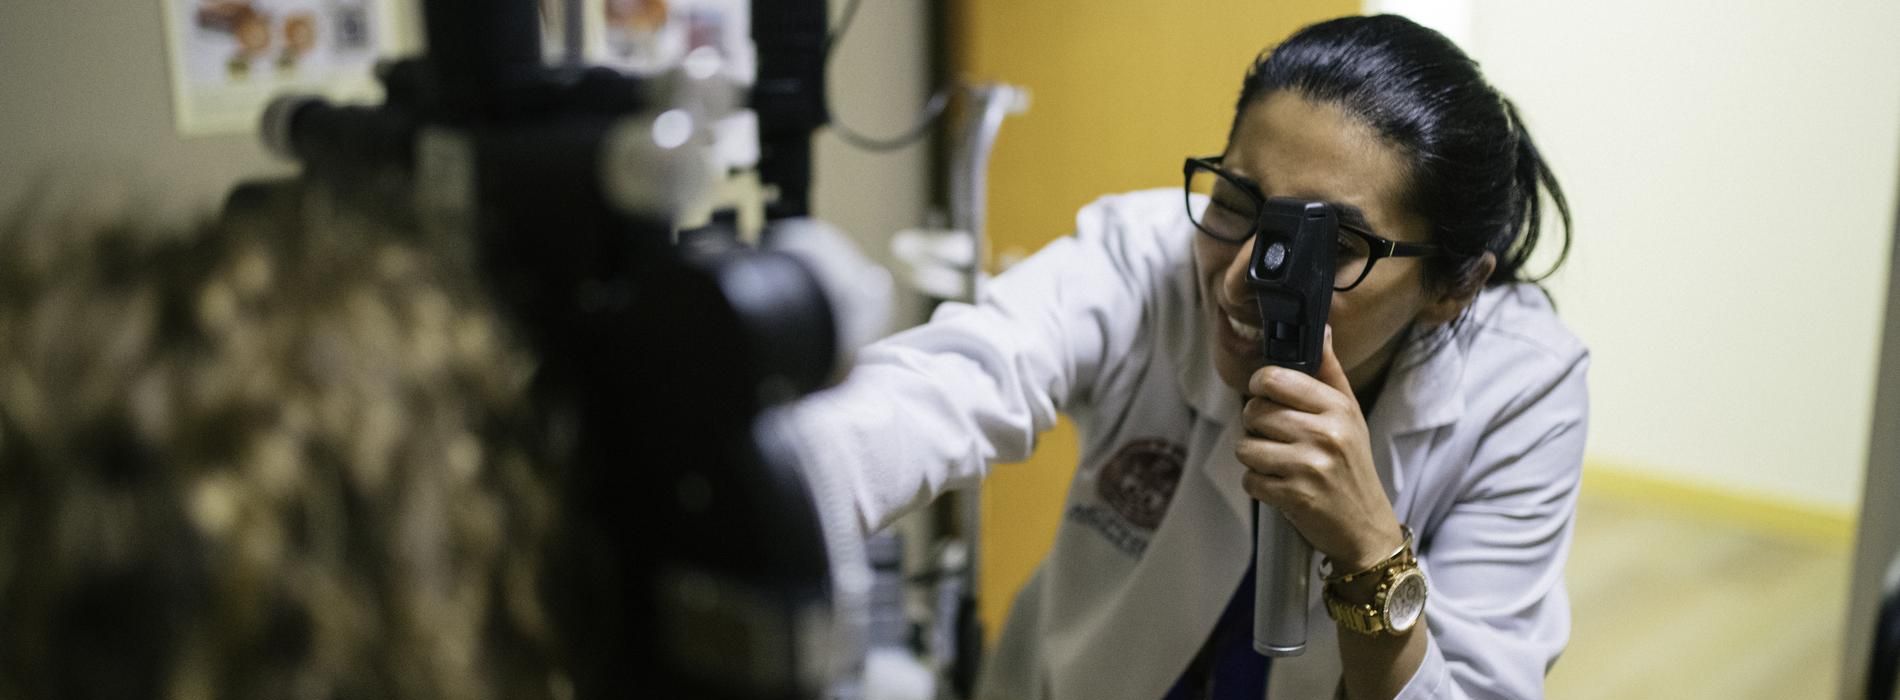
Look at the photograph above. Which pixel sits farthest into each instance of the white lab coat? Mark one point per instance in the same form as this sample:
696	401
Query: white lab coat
1479	444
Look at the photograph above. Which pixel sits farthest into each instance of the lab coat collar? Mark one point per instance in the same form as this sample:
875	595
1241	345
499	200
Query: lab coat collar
1216	405
1424	389
1194	363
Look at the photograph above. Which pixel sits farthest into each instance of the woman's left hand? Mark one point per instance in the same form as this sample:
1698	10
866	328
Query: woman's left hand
1308	455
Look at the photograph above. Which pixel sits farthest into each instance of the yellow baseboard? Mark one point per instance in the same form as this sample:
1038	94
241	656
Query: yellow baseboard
1761	512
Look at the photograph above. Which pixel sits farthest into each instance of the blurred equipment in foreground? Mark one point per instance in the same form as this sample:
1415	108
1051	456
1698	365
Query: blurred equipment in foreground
696	563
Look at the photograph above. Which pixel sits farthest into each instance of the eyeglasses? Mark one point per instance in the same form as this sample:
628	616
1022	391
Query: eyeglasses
1233	215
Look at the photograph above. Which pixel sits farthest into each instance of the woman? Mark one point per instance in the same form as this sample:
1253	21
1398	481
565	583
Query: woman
1443	434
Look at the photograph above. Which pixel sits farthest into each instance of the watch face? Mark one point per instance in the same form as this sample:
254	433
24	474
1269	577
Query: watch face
1406	602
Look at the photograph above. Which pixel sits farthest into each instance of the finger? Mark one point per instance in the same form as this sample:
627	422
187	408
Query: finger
1293	389
1272	420
1329	433
1274	459
1286	496
1330	370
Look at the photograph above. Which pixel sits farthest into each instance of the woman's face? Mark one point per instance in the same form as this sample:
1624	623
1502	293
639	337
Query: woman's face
1295	147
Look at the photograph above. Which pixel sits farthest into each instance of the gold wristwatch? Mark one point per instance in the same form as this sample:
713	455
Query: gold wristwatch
1397	603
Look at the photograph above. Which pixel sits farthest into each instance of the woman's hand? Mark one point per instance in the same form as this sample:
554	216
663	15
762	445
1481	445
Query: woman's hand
1307	455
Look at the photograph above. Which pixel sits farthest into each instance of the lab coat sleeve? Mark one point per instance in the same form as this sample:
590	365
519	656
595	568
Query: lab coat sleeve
932	407
1497	610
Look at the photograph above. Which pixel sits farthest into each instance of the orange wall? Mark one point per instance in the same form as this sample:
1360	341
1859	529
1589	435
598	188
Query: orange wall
1120	92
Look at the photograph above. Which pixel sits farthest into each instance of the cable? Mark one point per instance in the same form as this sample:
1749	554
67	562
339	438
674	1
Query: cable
933	108
844	25
933	111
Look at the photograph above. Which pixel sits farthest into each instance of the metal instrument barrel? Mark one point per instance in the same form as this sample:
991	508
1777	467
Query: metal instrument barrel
1283	561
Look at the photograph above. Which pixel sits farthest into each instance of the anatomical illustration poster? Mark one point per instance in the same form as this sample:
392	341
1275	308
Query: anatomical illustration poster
230	57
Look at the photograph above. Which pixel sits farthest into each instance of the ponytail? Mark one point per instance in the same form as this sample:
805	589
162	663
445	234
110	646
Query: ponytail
1531	176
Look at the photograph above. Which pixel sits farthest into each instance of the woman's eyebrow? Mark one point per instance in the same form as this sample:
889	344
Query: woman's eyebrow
1352	216
1349	215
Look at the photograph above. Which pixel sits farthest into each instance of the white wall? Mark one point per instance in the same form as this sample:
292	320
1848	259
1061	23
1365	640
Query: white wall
1732	168
85	88
879	81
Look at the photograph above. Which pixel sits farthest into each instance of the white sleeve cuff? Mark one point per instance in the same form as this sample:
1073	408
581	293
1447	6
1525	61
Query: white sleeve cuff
1432	680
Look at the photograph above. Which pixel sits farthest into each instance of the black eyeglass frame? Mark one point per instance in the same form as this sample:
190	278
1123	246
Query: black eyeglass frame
1377	246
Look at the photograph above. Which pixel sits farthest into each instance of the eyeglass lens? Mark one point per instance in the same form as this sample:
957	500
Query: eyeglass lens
1230	213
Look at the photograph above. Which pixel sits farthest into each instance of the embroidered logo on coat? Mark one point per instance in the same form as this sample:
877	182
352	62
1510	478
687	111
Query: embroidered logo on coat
1138	482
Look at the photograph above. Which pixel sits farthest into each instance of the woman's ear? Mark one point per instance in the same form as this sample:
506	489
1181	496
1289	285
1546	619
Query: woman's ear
1453	299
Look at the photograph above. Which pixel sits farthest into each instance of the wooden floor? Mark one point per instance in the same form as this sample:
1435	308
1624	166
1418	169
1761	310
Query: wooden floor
1678	606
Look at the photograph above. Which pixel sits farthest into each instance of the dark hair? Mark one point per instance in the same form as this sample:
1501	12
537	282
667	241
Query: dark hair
1475	173
286	453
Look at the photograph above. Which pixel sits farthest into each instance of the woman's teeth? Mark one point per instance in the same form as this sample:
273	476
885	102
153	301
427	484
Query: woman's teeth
1248	332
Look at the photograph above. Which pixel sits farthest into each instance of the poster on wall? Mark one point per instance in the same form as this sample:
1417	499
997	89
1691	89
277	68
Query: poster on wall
651	37
229	58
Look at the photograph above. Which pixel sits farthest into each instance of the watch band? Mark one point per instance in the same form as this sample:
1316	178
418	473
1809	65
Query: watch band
1404	550
1400	570
1361	618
